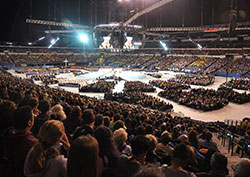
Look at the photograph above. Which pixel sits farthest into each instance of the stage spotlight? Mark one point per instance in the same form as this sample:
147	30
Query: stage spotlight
83	38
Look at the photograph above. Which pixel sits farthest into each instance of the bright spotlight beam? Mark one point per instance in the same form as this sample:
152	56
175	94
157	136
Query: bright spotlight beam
83	38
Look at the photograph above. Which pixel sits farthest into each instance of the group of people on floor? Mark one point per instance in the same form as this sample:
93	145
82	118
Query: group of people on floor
194	79
242	83
200	99
139	98
101	86
138	86
169	84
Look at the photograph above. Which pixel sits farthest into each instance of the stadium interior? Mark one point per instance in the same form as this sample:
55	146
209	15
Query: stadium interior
157	86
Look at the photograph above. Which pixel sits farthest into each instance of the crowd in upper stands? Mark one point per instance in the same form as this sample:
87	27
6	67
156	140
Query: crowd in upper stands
147	62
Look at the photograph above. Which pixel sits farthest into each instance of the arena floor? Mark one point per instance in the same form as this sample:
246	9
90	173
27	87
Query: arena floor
230	112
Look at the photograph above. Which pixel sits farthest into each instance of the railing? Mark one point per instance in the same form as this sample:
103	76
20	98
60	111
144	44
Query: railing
229	137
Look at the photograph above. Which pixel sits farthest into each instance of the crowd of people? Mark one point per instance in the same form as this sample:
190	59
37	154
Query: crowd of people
200	99
238	66
138	86
235	97
242	83
194	79
101	86
168	84
50	132
147	62
139	98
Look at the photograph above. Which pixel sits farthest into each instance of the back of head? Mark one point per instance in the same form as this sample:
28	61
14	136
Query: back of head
139	145
50	133
44	106
181	154
7	109
120	136
22	116
242	168
58	112
150	171
33	102
166	137
83	156
208	136
118	124
88	116
104	137
219	162
152	141
99	120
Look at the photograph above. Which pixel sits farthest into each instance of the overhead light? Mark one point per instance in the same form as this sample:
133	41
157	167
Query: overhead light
164	45
53	41
41	38
83	37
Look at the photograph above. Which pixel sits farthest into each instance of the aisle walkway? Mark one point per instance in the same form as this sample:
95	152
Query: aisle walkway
231	159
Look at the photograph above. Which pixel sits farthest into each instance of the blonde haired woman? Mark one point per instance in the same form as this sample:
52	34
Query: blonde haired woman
57	113
44	158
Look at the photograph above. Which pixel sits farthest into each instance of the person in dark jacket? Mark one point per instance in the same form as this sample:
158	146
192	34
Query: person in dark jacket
218	165
88	122
18	139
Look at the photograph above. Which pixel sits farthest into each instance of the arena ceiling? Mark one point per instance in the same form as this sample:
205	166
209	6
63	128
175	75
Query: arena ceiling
187	13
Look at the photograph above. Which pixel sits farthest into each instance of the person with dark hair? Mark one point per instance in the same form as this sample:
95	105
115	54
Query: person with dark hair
18	139
129	166
33	103
208	143
107	150
99	120
44	107
180	157
83	158
88	122
118	124
242	168
192	138
73	120
106	121
218	165
7	109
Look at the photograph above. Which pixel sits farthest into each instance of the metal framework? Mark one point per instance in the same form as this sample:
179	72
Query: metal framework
53	23
147	10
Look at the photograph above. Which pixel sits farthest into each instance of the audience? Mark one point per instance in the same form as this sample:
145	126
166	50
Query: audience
83	158
218	166
130	165
87	127
45	157
180	157
18	139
